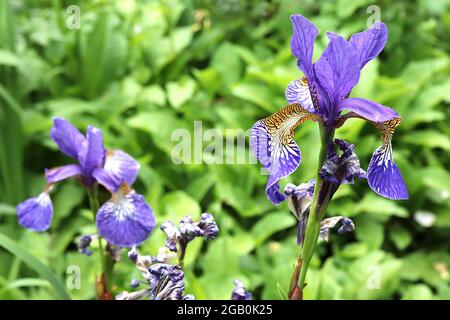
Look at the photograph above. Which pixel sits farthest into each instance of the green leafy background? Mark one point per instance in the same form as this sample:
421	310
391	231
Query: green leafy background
141	69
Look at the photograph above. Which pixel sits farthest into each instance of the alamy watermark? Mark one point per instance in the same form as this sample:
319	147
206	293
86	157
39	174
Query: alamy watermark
73	20
374	279
73	280
211	146
375	15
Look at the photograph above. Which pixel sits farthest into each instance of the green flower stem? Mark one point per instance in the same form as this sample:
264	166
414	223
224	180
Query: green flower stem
317	212
105	264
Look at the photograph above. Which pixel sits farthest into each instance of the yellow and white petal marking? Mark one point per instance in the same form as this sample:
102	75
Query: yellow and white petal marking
298	91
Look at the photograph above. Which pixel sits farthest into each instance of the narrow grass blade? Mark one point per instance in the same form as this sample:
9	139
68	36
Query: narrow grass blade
35	264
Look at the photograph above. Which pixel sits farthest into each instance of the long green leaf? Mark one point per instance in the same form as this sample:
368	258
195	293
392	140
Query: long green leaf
25	282
35	264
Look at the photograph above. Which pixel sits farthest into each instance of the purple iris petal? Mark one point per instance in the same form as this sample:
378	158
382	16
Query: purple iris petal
302	43
383	175
367	109
67	137
119	167
297	91
36	213
336	69
92	156
61	173
278	158
368	44
126	219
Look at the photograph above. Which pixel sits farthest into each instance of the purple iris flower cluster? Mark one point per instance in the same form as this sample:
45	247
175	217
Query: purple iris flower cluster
323	95
126	219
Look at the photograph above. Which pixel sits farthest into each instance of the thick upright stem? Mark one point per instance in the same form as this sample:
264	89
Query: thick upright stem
317	212
103	282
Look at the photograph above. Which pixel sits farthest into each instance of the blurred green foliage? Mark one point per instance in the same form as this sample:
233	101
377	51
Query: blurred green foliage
140	69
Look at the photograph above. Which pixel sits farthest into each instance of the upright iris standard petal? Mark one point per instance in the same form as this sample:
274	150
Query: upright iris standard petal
298	91
368	44
336	69
69	140
61	173
126	219
302	43
93	154
383	174
271	141
367	109
36	213
119	168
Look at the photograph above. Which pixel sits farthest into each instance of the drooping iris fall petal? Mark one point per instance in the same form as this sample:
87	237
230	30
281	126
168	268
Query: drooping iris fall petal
126	219
272	142
36	213
383	174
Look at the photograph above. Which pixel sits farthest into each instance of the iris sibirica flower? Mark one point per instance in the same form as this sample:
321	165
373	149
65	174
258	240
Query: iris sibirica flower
323	95
126	219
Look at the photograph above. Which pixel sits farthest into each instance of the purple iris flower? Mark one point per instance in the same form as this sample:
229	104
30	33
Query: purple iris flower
126	219
95	164
323	95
